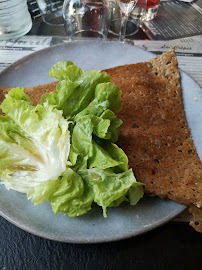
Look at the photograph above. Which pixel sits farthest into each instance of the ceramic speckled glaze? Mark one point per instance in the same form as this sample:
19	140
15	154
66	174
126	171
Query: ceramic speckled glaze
124	221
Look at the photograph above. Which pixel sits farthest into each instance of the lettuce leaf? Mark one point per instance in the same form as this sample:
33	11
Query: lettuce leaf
74	192
63	150
69	194
111	189
75	89
34	142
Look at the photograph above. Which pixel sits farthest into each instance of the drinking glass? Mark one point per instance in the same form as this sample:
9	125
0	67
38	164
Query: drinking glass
125	7
132	26
145	10
15	19
86	18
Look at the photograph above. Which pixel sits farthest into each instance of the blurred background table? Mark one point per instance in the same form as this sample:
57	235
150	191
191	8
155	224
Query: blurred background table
173	246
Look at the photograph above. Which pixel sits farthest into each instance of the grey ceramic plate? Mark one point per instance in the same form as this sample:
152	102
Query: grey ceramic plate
124	221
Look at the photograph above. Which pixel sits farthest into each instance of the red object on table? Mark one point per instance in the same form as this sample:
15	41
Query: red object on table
147	3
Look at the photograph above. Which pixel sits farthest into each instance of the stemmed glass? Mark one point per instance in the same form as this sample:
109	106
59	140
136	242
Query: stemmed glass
125	7
86	18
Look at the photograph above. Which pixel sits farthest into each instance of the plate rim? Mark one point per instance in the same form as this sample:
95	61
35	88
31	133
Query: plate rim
92	241
66	44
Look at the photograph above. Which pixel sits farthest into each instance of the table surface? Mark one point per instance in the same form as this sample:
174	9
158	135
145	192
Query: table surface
172	246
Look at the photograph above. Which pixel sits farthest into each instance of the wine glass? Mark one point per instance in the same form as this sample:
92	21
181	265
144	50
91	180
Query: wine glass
125	7
86	18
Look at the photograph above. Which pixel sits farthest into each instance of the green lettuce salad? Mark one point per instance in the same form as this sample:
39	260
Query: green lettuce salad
63	150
